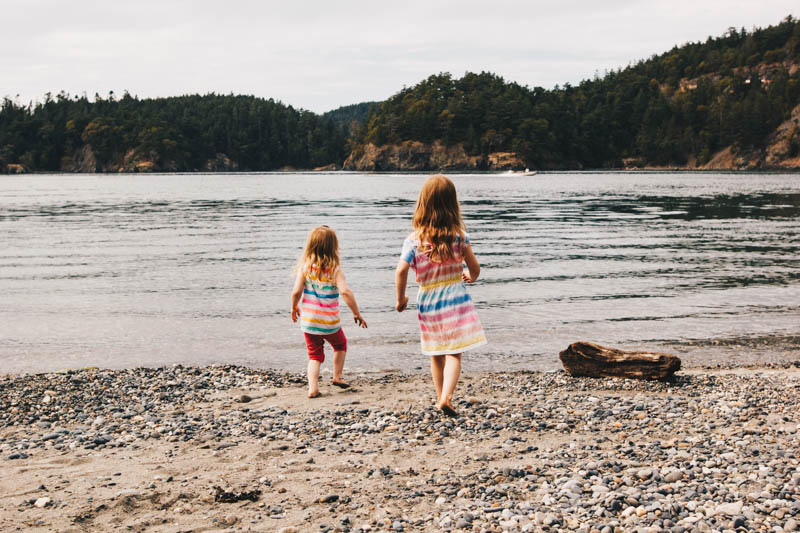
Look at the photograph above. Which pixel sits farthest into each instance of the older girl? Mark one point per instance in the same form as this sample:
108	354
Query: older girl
436	251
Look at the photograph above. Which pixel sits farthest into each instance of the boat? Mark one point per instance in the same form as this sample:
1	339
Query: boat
526	172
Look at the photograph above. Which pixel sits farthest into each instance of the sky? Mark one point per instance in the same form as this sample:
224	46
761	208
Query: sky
319	54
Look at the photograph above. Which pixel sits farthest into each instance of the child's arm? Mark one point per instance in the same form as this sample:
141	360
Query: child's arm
401	279
297	293
348	297
473	268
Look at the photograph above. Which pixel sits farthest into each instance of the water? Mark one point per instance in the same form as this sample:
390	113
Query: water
119	271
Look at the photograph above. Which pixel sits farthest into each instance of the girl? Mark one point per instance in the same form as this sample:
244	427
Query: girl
448	321
319	282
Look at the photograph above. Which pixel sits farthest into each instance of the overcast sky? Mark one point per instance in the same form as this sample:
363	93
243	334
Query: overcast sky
321	54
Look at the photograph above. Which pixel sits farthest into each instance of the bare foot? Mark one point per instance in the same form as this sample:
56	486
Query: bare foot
447	410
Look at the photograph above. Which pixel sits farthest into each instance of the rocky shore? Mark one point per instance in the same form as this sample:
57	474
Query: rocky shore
225	448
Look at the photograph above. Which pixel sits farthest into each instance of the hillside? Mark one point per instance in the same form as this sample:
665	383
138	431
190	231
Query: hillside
730	102
187	133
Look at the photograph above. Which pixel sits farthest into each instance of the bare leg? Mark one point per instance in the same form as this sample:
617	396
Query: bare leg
437	372
338	366
452	371
313	378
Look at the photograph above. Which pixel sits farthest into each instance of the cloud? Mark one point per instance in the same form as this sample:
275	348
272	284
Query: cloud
319	55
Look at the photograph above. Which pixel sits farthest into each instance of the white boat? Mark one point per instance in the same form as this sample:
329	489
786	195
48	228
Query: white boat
525	172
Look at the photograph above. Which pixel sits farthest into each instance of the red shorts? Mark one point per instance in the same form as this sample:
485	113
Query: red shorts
316	343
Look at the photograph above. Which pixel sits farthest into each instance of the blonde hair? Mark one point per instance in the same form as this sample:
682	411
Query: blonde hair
437	219
322	250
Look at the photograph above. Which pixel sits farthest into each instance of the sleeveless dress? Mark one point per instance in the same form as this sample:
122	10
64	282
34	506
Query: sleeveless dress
319	308
448	321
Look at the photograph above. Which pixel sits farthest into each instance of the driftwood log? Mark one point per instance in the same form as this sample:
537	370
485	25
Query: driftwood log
584	359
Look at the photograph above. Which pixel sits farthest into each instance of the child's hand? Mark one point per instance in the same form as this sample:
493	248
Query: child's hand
466	277
402	304
360	321
295	313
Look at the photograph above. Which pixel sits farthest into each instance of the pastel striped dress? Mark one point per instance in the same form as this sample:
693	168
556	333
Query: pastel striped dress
448	321
319	308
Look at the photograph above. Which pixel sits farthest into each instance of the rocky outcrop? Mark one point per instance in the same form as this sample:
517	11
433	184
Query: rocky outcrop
781	153
505	161
415	155
783	150
327	168
82	160
15	168
221	163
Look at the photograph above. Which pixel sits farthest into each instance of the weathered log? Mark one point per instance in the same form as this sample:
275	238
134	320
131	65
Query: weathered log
585	359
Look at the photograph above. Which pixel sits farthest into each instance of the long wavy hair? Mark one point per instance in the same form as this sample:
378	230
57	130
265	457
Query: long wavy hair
322	250
437	219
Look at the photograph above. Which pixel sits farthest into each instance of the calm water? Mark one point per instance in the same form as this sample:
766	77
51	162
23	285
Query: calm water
118	271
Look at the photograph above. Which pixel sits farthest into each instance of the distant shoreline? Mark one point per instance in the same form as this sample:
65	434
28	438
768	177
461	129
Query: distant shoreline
650	170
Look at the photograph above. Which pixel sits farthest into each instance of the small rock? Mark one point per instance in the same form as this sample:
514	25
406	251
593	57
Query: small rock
43	502
244	398
730	509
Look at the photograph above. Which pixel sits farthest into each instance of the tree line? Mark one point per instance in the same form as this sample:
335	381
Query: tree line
179	133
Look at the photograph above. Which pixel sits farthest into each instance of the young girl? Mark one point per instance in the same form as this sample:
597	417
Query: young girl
448	321
319	282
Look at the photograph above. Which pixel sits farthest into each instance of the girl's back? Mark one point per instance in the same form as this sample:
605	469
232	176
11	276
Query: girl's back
449	323
320	303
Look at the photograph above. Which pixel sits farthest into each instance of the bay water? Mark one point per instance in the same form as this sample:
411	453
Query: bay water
128	270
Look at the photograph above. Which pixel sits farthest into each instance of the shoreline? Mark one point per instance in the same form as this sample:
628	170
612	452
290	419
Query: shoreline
144	449
519	172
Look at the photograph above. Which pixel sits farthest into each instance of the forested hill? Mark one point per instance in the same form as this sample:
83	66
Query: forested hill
186	133
729	102
715	103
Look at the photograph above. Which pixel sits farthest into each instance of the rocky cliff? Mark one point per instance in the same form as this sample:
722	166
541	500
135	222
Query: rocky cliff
414	155
781	153
85	160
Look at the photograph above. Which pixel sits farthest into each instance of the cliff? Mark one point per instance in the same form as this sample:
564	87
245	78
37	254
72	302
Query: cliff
782	152
85	160
415	155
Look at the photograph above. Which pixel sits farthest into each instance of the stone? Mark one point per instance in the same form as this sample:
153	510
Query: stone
730	509
43	502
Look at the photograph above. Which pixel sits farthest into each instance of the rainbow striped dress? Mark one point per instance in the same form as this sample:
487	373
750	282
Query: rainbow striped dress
319	308
448	321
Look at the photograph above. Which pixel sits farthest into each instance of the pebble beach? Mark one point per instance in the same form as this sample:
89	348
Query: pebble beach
228	448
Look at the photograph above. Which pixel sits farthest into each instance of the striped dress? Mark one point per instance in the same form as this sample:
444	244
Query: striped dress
319	308
448	321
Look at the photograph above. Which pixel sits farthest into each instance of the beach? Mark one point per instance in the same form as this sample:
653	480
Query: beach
230	448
